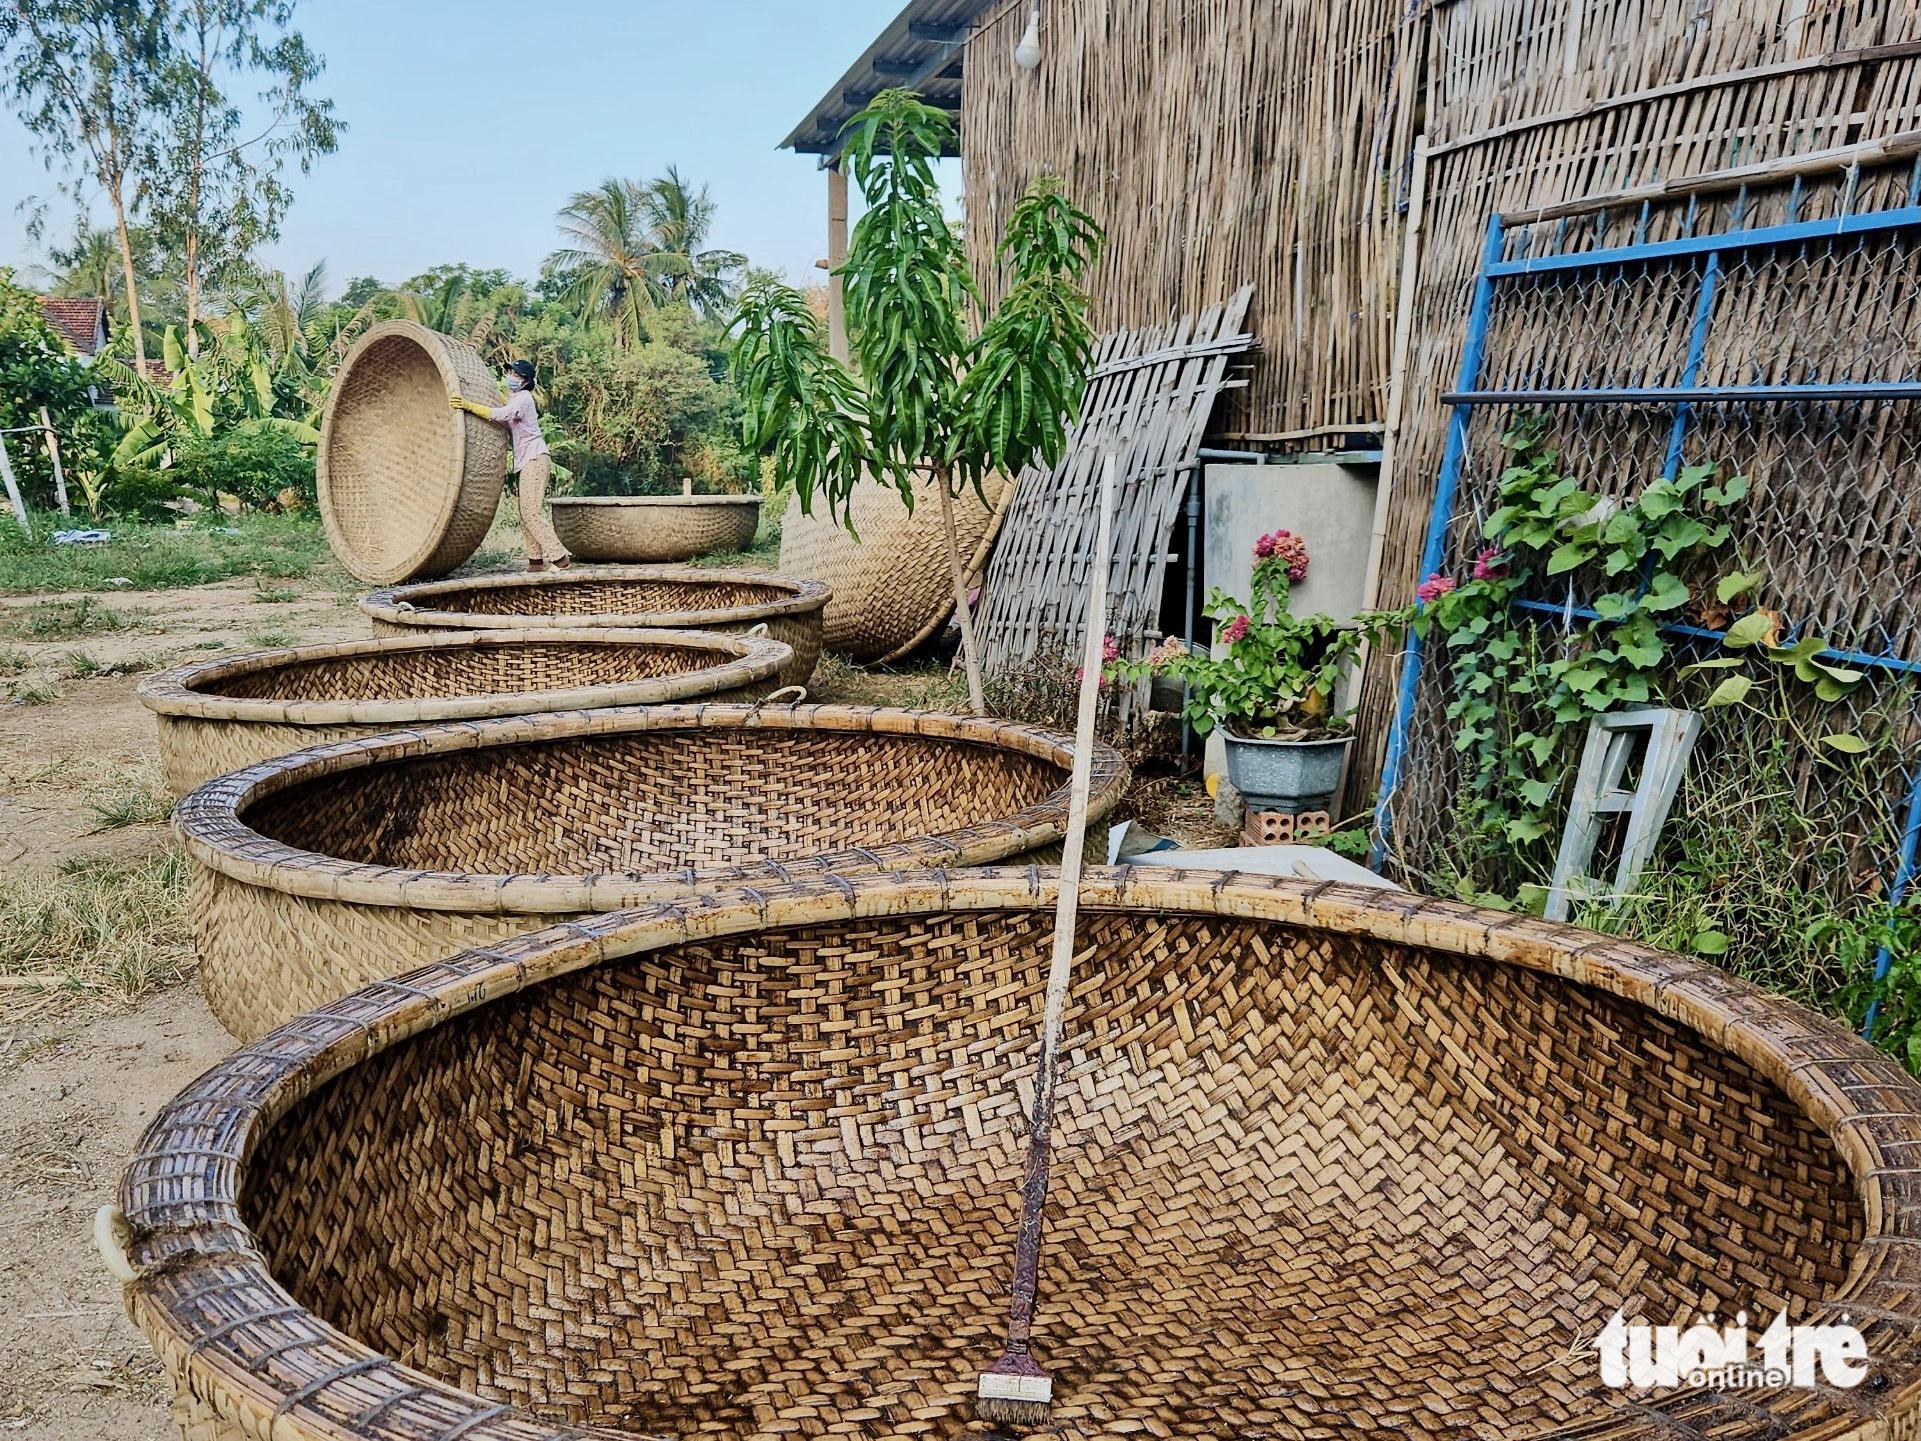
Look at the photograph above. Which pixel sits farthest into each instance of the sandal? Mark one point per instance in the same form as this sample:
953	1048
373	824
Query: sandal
563	562
536	565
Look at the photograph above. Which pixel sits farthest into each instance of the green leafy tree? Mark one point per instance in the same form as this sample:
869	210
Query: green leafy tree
216	192
37	370
927	390
86	78
477	306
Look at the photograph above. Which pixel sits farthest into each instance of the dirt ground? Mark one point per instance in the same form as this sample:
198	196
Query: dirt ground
77	1087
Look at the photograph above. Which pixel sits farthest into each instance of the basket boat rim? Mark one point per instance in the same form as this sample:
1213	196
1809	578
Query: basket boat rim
739	660
210	826
197	1262
413	604
429	342
653	500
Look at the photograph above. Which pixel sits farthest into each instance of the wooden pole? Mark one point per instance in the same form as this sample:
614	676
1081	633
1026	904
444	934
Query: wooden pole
13	488
976	691
1397	375
1016	1361
836	257
53	455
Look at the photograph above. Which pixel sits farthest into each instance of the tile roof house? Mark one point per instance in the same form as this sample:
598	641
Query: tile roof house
82	323
80	319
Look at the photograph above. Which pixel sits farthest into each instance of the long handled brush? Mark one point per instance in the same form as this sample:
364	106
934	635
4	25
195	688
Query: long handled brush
1015	1391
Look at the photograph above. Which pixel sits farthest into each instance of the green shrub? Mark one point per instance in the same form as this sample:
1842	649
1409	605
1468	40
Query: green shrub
255	463
138	492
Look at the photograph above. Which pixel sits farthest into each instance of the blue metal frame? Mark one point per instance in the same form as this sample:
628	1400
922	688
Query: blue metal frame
1465	397
1436	548
1715	244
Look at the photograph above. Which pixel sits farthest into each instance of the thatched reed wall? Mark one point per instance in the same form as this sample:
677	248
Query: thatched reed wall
1223	143
1533	105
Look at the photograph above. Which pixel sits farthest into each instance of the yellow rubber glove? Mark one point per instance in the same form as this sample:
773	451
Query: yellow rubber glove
472	407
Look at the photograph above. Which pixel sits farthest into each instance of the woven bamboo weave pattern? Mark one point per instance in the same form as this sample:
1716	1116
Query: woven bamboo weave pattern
654	527
657	597
216	716
318	871
408	486
1330	1161
891	587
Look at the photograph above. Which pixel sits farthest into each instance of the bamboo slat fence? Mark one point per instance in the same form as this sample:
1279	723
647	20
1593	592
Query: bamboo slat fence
1586	110
1151	394
1253	142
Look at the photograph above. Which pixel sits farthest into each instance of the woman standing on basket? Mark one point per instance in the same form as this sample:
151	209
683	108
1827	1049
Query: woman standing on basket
531	459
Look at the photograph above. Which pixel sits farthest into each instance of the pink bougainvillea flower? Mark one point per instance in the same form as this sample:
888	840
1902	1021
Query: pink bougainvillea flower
1436	586
1110	649
1234	630
1490	564
1171	649
1286	547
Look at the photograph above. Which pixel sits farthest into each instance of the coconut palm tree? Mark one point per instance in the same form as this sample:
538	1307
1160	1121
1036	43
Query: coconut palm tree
679	218
609	262
90	264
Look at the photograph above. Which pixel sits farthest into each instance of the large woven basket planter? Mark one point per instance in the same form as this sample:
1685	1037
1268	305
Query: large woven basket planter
892	588
320	871
407	484
644	528
1330	1162
655	597
217	716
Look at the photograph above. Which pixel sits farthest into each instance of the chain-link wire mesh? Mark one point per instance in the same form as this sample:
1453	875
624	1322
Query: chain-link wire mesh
1832	522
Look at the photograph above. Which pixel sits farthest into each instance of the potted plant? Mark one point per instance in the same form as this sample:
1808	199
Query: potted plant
1272	692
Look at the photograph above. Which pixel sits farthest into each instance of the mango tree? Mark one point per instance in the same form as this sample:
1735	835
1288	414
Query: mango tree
928	388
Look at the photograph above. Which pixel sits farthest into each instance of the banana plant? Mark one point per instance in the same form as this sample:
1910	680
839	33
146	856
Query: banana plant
229	385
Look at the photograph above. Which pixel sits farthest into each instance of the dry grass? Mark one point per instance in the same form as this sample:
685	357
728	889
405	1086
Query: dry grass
928	687
99	933
134	796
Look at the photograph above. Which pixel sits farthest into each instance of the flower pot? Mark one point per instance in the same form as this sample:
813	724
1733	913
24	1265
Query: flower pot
1281	775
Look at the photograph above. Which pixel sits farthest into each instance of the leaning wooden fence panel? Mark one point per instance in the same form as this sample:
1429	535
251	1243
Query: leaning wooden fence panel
1151	394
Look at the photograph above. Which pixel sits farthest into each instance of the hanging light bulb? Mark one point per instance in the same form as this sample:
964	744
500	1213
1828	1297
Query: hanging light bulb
1027	54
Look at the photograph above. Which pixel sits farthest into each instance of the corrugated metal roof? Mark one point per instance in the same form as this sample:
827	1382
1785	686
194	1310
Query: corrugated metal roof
922	49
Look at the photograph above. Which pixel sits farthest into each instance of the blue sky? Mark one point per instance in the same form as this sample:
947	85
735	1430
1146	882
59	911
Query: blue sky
471	123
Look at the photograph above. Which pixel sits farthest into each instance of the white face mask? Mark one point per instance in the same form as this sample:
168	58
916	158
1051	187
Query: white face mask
511	381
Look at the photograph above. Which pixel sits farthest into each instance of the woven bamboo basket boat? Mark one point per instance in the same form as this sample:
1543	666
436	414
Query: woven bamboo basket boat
641	528
320	871
653	597
1329	1161
217	716
892	589
407	484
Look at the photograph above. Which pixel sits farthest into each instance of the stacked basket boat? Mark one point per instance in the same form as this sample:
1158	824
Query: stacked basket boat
634	1050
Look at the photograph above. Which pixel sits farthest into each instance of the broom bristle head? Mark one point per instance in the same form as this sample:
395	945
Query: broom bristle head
1014	1391
1000	1411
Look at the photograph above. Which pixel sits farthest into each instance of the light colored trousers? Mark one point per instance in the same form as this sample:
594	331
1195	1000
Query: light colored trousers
542	543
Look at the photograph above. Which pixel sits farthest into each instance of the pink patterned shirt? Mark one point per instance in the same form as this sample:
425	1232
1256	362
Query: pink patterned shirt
523	424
